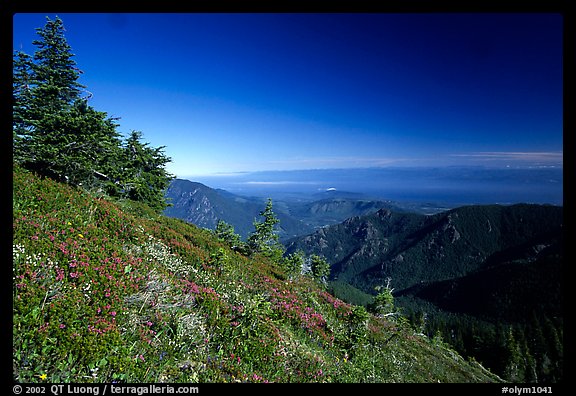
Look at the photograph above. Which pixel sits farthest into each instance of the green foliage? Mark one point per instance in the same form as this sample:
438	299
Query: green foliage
103	292
265	239
225	233
349	293
519	352
21	95
58	135
143	174
358	326
55	73
46	92
293	263
319	268
383	303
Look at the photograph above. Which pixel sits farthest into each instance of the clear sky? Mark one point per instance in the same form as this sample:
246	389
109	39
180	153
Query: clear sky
246	92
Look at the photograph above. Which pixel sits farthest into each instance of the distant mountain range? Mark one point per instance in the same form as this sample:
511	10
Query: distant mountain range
203	206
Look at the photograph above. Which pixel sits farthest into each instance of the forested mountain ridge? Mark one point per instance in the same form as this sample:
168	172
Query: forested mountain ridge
488	278
203	206
412	248
333	210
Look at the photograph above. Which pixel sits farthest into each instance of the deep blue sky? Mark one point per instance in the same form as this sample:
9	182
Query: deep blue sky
246	92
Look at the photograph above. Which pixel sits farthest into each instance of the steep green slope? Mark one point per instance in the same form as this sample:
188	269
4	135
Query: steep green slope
106	291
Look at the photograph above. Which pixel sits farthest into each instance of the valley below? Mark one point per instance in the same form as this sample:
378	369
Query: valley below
486	278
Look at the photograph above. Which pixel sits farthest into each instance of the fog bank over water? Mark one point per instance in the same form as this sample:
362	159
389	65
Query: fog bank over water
450	185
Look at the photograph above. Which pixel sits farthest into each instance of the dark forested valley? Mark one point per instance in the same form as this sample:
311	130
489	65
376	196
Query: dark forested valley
487	279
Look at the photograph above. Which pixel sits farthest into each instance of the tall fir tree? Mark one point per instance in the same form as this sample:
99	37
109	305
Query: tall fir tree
294	263
91	146
144	175
264	239
57	134
46	92
55	72
21	99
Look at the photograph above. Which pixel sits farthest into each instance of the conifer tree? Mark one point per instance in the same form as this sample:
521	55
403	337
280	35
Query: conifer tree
21	98
383	304
56	133
294	263
320	268
264	239
225	233
55	73
144	176
515	365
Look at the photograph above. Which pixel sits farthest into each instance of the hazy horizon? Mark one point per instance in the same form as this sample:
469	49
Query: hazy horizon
449	185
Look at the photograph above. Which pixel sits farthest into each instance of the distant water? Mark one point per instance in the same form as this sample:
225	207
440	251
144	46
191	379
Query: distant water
450	185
